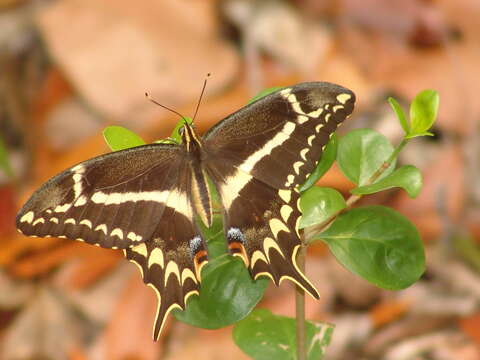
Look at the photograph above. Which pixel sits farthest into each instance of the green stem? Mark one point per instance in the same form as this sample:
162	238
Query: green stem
300	309
316	229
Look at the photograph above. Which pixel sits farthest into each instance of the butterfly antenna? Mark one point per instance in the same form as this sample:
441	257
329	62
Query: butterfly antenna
147	95
201	96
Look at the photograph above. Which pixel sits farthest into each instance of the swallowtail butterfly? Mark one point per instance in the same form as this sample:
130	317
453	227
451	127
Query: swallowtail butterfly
144	200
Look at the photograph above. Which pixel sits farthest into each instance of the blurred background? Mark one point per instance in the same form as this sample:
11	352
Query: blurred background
68	68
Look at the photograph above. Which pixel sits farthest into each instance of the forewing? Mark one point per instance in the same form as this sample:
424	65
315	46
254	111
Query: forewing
279	139
114	201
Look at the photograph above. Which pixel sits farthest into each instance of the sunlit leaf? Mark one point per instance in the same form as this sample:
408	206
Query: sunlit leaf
318	204
400	114
423	113
120	138
379	244
361	153
228	294
265	336
407	177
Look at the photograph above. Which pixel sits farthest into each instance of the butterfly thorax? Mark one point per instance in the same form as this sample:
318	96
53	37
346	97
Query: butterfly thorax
201	198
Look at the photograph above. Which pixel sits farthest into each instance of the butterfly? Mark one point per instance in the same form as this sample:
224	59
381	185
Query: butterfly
145	200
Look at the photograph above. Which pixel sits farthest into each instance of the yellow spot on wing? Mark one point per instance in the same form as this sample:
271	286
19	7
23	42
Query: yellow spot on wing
87	223
134	237
102	227
117	232
258	255
186	274
286	211
62	208
70	221
140	250
156	257
316	113
28	217
285	195
343	98
302	119
268	244
38	221
303	153
276	226
297	167
172	268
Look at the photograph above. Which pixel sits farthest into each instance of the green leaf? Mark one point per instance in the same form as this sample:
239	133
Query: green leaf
407	177
216	242
326	161
4	160
264	336
228	294
176	137
120	138
423	112
318	204
412	135
361	153
264	92
379	244
400	114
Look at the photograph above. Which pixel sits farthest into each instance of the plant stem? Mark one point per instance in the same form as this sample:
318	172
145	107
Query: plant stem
307	237
316	229
300	309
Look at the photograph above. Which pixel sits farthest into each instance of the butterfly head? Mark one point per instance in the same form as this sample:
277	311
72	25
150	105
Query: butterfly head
189	136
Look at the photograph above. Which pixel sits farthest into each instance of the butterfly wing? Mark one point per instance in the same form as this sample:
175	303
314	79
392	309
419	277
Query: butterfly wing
257	157
171	261
137	200
114	200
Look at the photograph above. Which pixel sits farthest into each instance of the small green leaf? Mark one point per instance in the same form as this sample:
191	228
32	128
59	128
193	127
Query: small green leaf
378	244
120	138
407	177
325	163
318	204
228	294
265	336
4	160
361	153
400	114
423	112
264	92
176	137
412	135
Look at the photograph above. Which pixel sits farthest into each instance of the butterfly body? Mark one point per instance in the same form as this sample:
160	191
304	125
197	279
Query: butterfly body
145	200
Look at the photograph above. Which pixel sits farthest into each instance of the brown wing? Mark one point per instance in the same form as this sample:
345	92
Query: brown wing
171	261
257	157
114	201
